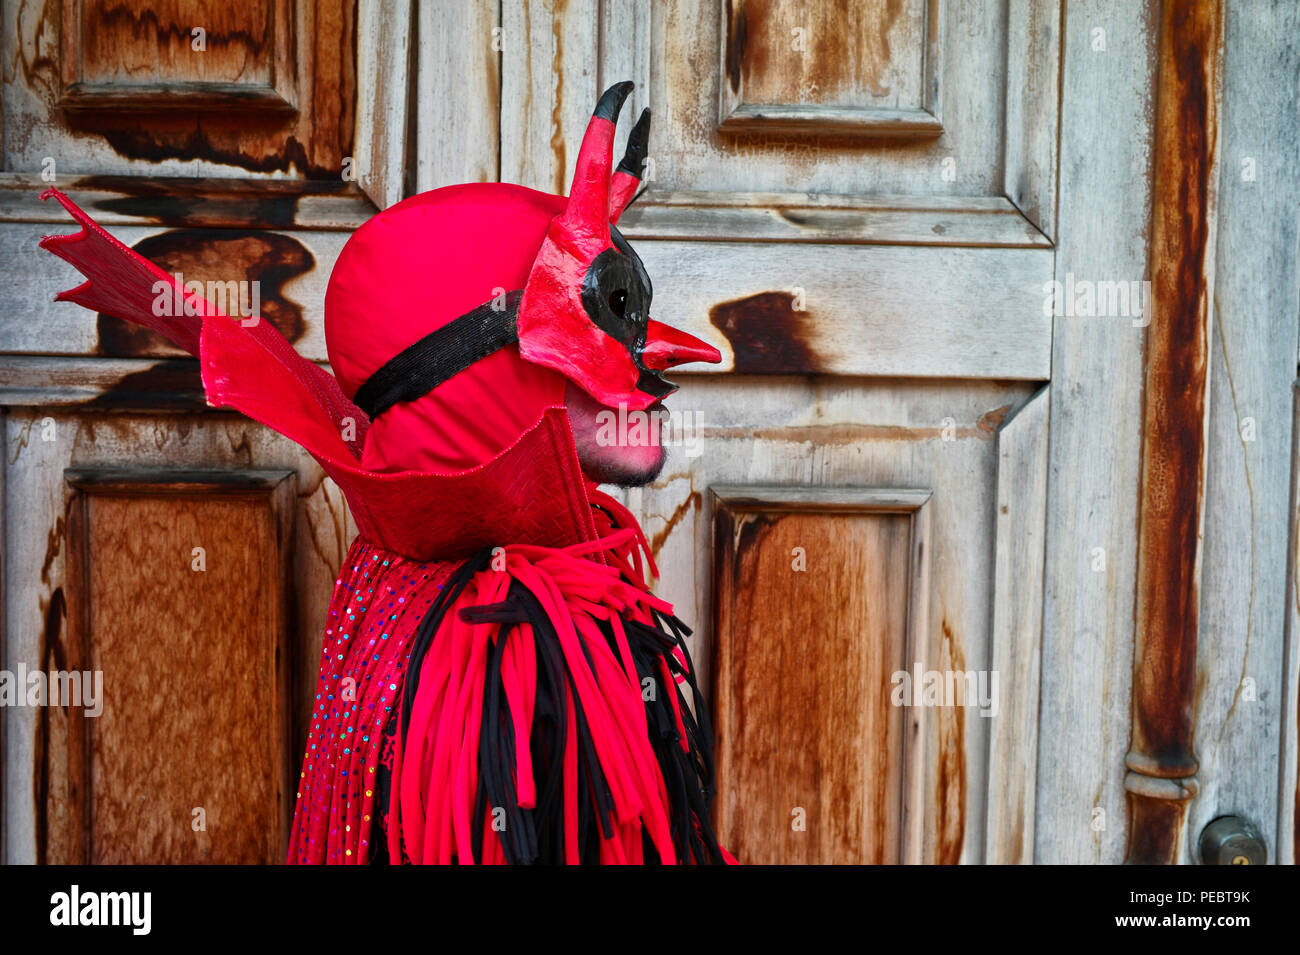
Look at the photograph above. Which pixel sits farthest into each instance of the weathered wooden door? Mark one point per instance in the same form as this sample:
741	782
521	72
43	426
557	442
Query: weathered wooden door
857	203
977	421
950	517
183	555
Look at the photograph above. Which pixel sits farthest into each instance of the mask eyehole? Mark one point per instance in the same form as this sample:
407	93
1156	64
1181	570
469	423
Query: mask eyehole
618	302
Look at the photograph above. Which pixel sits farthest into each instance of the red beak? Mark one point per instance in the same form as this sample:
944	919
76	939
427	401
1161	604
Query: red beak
666	347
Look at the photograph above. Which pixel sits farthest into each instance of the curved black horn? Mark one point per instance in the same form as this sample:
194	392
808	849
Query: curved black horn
638	145
611	101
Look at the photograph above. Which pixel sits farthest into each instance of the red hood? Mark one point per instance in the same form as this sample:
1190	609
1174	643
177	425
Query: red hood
410	270
487	460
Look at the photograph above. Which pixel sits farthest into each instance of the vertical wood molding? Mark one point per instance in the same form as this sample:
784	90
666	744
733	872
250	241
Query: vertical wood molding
1095	445
1033	88
1161	761
1244	716
548	88
383	81
916	733
458	94
1288	810
1017	632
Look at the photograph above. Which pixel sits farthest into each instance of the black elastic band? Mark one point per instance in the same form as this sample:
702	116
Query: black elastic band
417	370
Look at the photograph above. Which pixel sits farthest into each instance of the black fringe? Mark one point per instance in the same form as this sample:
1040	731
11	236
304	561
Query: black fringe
537	836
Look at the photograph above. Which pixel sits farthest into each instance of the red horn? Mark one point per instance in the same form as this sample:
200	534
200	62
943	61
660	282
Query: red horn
588	208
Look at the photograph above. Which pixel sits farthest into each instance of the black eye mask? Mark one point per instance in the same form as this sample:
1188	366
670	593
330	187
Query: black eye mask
616	293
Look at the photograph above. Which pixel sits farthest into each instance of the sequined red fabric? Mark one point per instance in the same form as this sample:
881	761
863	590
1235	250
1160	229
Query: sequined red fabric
379	600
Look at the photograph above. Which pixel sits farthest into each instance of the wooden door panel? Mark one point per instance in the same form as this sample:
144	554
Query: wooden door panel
978	449
155	56
247	158
888	310
862	69
919	89
42	564
124	87
817	604
178	599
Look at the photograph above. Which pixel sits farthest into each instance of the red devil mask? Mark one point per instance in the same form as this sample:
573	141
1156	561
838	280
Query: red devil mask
585	309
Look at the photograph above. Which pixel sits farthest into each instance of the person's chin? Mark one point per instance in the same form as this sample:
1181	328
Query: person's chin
631	468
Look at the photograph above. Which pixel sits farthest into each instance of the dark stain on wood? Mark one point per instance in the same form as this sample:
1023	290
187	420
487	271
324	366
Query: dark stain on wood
557	109
207	255
1173	451
1155	827
991	421
737	34
168	385
53	614
53	544
117	38
767	334
309	135
845	48
211	203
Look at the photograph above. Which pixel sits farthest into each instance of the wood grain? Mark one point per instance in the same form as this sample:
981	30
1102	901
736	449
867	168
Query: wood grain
40	444
384	67
1096	414
118	56
194	663
1245	703
458	108
863	69
970	73
1175	407
810	747
1033	85
149	129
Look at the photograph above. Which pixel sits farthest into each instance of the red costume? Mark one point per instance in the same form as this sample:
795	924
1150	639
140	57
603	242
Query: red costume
497	683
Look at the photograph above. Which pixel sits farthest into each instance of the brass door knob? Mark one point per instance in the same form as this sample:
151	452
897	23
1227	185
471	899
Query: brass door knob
1232	840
